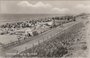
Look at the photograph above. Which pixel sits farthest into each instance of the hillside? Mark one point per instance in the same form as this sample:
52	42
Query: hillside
62	45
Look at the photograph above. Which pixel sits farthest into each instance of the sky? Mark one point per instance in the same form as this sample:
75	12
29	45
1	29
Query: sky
44	7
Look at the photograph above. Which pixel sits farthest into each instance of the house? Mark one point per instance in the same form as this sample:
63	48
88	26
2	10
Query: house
31	32
49	23
19	32
42	29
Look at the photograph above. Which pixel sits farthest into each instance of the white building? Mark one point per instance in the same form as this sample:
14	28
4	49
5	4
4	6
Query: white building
31	31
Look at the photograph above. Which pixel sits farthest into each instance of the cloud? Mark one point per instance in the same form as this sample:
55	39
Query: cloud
37	5
61	10
24	3
40	7
41	4
83	7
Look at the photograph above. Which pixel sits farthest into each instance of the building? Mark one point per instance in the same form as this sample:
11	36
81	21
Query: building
31	32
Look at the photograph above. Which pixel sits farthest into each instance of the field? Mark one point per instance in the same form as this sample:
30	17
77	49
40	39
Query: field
5	39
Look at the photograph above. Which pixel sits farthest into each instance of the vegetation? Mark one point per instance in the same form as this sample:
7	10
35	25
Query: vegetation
33	22
56	47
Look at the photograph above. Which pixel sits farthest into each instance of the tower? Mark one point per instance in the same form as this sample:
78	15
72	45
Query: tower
53	20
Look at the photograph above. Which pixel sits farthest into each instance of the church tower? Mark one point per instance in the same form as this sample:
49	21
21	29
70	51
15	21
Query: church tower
53	20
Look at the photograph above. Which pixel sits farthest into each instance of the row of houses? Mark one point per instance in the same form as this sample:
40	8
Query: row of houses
39	28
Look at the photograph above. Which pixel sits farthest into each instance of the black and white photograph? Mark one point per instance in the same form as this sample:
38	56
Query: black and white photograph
44	28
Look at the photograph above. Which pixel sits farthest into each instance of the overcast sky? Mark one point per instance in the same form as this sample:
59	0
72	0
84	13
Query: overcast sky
44	7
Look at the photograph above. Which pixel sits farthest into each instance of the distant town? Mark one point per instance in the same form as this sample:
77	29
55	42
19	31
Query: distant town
34	27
